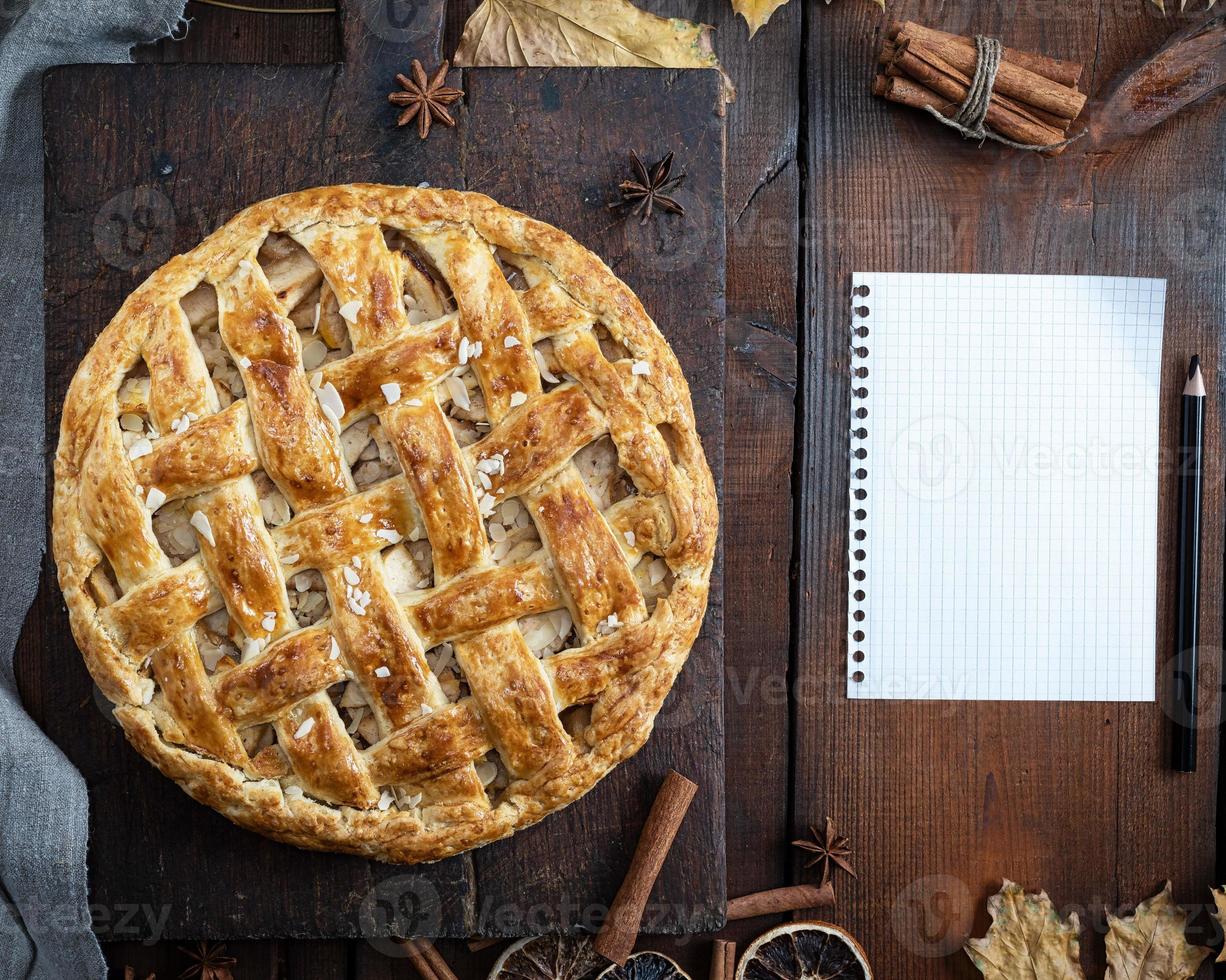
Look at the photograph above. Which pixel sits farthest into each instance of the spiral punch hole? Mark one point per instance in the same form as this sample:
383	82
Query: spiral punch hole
858	462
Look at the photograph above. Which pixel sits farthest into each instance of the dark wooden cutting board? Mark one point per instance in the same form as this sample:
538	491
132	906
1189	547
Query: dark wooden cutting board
143	161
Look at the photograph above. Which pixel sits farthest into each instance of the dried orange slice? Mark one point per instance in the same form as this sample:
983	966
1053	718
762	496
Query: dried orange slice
549	958
804	951
646	966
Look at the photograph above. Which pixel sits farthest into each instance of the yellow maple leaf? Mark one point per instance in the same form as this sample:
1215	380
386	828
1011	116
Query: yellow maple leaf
609	33
1182	4
1028	940
758	12
1150	944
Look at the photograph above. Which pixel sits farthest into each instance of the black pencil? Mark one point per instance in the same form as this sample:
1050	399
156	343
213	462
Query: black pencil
1187	625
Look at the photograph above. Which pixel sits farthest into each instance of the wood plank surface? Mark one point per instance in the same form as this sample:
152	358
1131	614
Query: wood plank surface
943	799
1064	797
113	214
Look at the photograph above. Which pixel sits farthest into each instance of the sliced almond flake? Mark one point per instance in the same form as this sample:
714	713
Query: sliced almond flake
252	647
389	535
486	772
510	341
426	709
413	402
391	391
459	394
330	401
383	672
244	362
302	582
131	423
357	720
475	351
141	447
155	499
313	354
497	532
350	310
211	657
365	518
629	536
269	622
463	352
356	561
543	367
657	571
319	307
315	380
200	521
640	367
386	800
518	398
290	559
413	800
305	728
351	576
484	479
335	654
354	607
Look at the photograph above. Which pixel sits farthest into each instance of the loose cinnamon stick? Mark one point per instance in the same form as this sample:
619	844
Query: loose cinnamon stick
1062	72
907	91
427	960
927	67
1004	118
1020	84
723	960
617	935
780	900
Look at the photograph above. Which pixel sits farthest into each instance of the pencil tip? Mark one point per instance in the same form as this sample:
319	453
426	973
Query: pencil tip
1194	366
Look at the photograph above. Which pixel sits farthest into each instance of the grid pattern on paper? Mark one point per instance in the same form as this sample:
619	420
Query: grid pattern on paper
1005	546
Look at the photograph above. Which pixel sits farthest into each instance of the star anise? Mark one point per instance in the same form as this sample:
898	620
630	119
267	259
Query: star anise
425	100
828	848
650	188
210	962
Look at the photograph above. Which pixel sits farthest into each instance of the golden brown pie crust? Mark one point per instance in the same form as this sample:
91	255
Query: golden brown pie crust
322	790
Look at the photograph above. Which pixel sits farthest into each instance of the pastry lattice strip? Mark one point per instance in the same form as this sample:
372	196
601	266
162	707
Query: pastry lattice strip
590	554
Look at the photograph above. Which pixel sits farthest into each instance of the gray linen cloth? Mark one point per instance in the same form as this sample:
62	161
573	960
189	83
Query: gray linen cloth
44	918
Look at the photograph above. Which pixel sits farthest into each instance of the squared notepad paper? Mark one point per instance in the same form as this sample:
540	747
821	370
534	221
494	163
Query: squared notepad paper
1004	487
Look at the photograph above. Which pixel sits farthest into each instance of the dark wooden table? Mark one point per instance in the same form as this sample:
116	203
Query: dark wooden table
940	800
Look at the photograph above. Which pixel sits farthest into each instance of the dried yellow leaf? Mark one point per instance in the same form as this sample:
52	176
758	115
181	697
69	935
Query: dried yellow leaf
608	33
1150	944
756	12
1028	940
1182	4
1219	899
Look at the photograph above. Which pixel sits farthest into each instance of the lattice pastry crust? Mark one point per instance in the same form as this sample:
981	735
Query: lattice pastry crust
382	519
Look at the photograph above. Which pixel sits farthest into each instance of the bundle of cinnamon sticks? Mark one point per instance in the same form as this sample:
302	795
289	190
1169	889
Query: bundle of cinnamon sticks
1035	99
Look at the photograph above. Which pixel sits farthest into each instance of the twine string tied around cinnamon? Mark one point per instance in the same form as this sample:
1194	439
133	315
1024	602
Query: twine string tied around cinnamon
970	119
